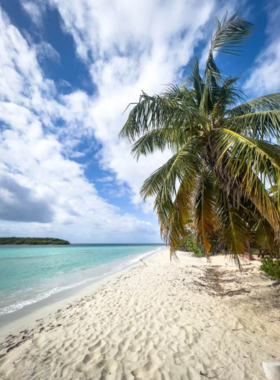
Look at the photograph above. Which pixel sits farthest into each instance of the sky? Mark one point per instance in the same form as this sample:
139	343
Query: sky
68	70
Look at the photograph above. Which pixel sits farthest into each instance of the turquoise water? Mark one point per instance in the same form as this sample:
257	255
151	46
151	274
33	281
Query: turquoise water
29	274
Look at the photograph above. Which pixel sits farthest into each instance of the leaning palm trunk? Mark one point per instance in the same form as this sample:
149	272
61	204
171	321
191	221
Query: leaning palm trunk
249	251
225	154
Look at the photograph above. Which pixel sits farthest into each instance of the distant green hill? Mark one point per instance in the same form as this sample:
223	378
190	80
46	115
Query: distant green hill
32	241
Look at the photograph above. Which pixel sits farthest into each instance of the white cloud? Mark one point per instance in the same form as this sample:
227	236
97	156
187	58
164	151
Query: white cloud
35	10
130	46
108	178
45	50
39	185
264	77
33	163
127	46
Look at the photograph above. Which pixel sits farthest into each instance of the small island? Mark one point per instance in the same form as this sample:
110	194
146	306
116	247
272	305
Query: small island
32	241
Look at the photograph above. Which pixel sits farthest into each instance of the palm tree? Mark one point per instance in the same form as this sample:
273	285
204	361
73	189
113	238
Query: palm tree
225	153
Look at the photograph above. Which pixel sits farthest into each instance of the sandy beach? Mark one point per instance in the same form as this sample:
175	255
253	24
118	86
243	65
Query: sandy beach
189	320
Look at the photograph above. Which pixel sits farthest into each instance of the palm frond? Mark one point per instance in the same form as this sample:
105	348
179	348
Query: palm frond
212	79
165	179
195	80
206	216
264	236
173	229
229	92
175	107
230	34
245	165
173	186
263	103
236	231
263	202
159	139
258	125
247	155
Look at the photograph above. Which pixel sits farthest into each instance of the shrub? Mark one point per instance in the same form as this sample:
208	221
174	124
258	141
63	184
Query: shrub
189	244
271	267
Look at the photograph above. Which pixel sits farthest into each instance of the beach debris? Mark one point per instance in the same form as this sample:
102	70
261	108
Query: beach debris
271	370
143	262
209	377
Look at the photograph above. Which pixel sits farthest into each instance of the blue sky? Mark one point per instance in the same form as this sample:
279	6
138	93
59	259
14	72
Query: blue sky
68	70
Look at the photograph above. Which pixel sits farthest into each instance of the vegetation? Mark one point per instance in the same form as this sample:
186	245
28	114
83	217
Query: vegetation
271	267
189	244
32	241
224	154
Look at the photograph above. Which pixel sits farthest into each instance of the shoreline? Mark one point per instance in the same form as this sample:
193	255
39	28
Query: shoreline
163	321
12	323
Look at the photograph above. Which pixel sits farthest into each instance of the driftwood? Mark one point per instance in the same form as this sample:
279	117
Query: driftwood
143	262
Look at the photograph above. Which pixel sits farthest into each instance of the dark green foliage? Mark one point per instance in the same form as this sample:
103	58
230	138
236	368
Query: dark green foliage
32	241
189	244
271	267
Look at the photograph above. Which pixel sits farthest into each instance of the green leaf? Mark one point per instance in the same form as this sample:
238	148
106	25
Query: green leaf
175	215
174	108
246	165
263	103
159	140
230	34
206	216
258	125
236	231
165	179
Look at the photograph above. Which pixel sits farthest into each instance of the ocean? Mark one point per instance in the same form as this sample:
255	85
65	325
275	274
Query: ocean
30	274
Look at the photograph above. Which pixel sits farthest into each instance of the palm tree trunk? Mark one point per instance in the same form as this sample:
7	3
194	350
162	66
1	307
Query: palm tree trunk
248	255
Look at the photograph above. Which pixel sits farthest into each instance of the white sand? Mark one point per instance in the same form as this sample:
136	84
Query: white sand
185	321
